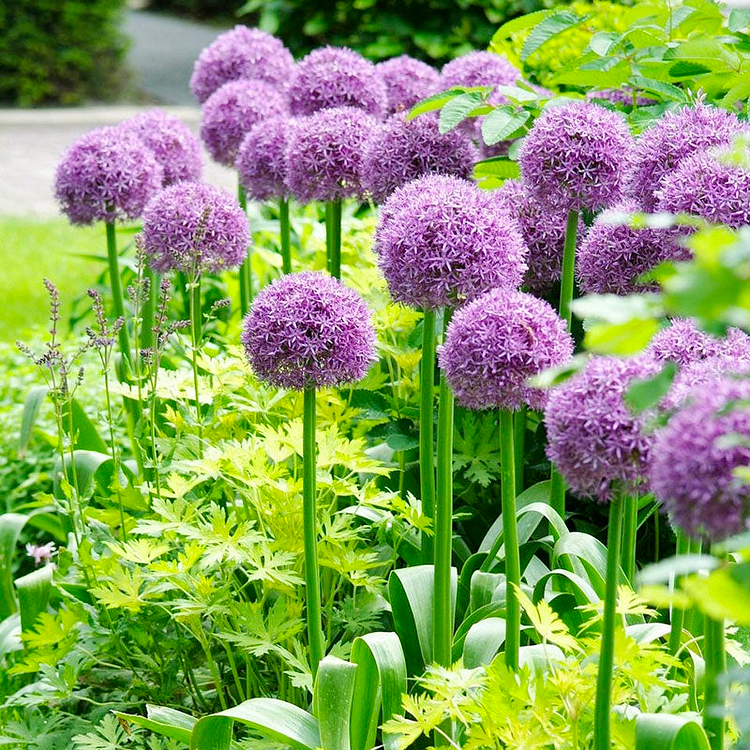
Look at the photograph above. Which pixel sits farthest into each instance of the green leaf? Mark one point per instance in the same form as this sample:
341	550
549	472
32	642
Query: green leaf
739	19
10	634
519	24
517	93
11	525
721	595
501	123
437	101
497	167
645	393
583	555
332	703
665	90
549	28
31	407
457	110
602	42
623	338
164	721
33	594
674	567
86	435
739	91
272	718
483	641
687	69
669	732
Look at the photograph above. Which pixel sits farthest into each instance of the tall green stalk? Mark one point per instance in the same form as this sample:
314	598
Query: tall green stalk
426	431
677	616
714	652
310	527
246	283
333	237
519	438
196	325
510	533
147	324
116	286
285	236
603	705
629	536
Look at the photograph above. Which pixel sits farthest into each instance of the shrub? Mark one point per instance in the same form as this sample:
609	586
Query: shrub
53	52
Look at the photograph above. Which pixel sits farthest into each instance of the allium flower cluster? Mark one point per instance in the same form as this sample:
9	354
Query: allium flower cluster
172	143
324	154
576	156
704	186
407	81
594	439
194	227
232	111
496	343
543	232
478	69
614	254
307	329
441	241
672	138
106	175
261	159
336	77
694	458
683	342
241	53
399	151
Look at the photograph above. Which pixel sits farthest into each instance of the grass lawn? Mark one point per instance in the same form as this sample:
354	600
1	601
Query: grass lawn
32	249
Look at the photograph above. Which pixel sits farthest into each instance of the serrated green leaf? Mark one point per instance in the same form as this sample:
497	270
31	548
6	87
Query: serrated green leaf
665	90
436	101
520	24
457	110
602	42
501	123
739	19
687	69
497	167
549	28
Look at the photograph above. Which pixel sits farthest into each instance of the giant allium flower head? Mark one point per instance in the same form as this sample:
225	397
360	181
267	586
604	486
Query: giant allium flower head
674	137
407	81
308	329
241	53
441	240
106	175
694	458
399	151
613	254
478	69
194	227
232	110
576	156
683	342
324	154
171	142
336	77
261	159
594	439
705	186
542	230
496	343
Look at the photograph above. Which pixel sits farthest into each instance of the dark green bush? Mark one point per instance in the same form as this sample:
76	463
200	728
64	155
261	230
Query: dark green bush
55	51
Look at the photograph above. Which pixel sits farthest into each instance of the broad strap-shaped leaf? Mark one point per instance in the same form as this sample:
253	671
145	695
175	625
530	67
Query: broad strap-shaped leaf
669	732
87	437
164	721
33	594
11	525
483	641
31	407
332	702
10	634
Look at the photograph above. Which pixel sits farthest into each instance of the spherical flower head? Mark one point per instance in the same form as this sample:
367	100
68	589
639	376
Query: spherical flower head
478	69
194	227
172	143
400	151
261	159
441	241
336	77
594	439
232	110
674	137
543	232
307	329
407	81
496	343
683	342
614	255
324	154
237	54
106	175
704	186
694	458
576	156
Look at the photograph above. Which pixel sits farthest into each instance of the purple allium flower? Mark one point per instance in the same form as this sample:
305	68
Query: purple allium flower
677	135
232	110
594	439
478	69
241	53
543	232
106	175
261	159
399	151
576	156
336	77
692	377
324	154
172	143
706	187
684	343
442	240
694	458
613	255
191	226
496	343
623	97
41	553
407	81
308	329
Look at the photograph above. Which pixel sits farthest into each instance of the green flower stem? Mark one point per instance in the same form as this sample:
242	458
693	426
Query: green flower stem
147	324
629	536
286	239
333	237
677	618
114	282
246	282
510	533
557	492
715	655
196	324
519	438
603	705
310	526
426	431
442	621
